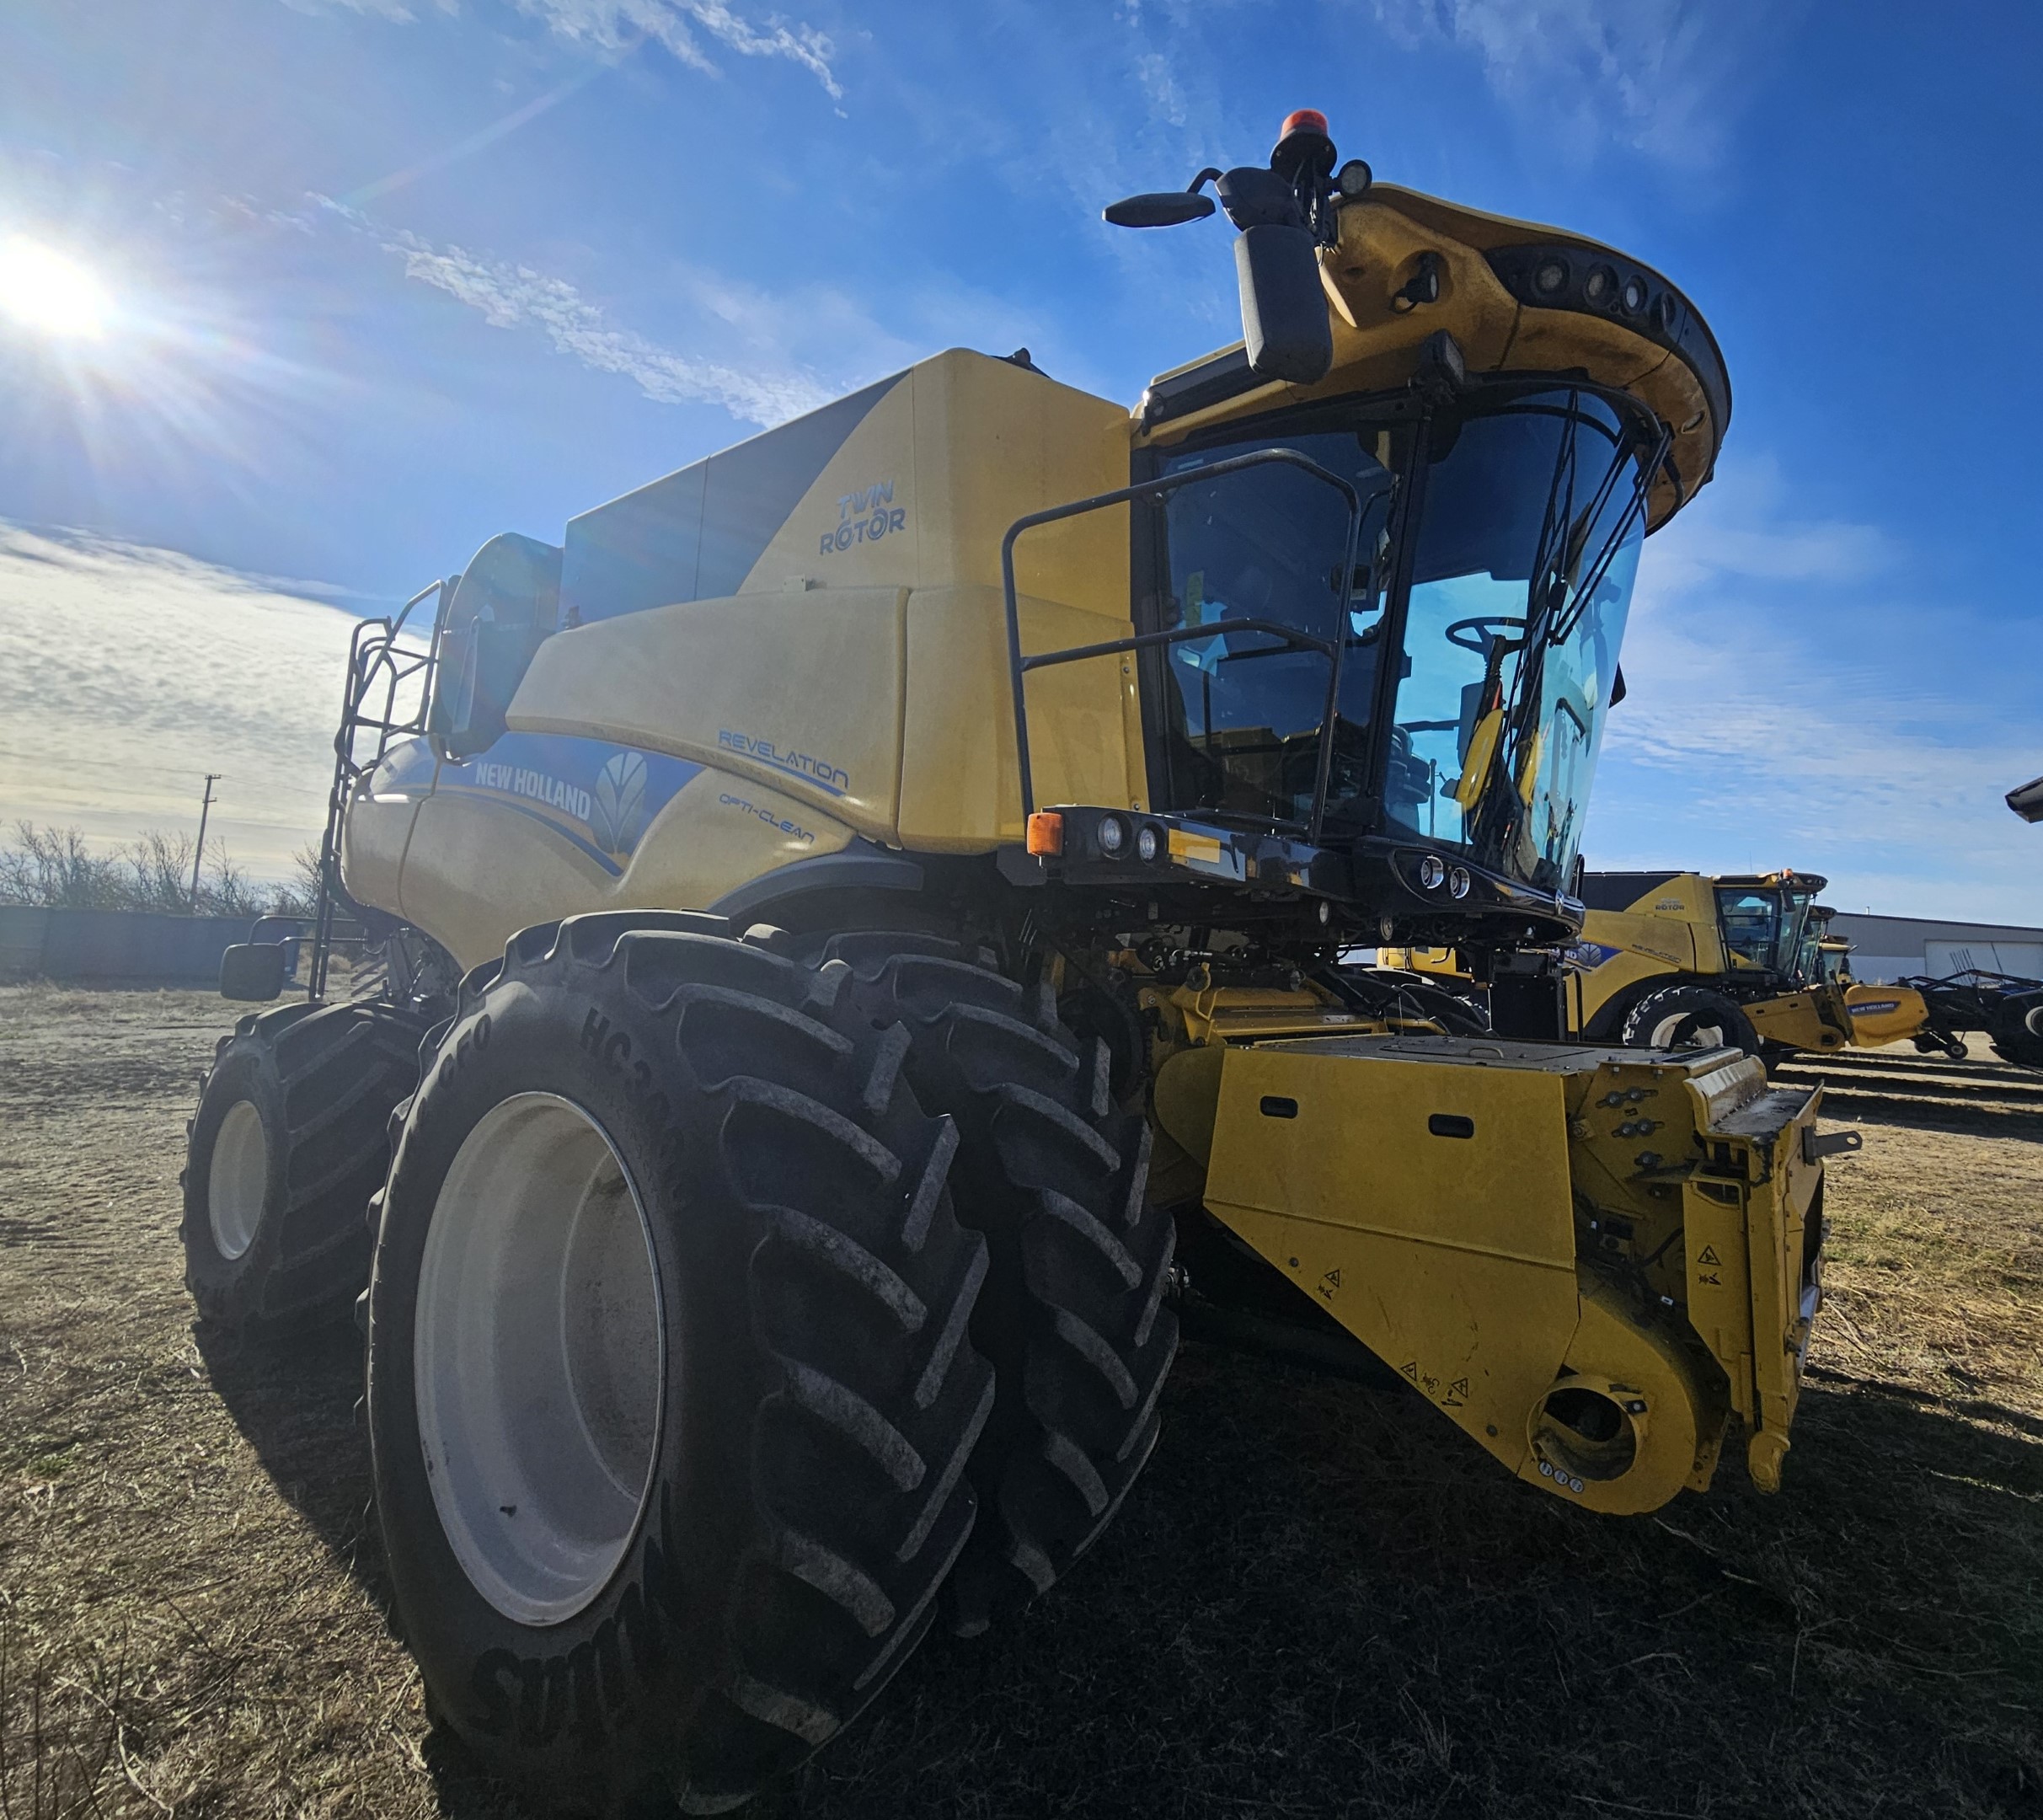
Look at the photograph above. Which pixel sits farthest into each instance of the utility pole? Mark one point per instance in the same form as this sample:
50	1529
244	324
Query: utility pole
199	852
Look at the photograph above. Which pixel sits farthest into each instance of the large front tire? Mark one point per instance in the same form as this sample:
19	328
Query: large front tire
290	1141
671	1385
1073	1316
1689	1017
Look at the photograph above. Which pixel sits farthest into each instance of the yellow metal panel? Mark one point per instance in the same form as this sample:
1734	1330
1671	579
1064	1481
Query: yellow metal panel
719	832
733	683
860	525
1783	1311
960	787
1796	1019
1452	1258
1185	1100
481	871
994	442
1884	1014
921	491
478	871
1720	1280
373	836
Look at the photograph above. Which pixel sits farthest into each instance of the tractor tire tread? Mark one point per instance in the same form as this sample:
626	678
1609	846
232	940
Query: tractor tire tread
1072	1313
856	1395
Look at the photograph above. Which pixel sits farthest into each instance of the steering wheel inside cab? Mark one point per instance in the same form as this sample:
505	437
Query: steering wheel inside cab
1485	631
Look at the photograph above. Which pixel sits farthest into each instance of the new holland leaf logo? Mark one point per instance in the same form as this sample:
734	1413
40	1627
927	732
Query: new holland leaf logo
620	817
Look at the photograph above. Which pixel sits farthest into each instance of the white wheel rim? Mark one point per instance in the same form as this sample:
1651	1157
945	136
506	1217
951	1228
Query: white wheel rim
238	1181
539	1355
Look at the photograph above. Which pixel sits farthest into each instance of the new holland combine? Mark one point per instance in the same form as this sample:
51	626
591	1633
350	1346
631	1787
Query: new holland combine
861	919
1679	960
1675	958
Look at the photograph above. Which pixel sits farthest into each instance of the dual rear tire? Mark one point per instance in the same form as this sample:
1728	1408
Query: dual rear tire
693	1402
1073	1315
682	1387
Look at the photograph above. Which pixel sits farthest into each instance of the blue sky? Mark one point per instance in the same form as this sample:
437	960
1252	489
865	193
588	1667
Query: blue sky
395	275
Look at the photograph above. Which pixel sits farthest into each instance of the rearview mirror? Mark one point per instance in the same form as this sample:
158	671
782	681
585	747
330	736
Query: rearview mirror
253	972
1158	208
1284	306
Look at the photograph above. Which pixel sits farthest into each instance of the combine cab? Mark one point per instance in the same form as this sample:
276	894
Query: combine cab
863	912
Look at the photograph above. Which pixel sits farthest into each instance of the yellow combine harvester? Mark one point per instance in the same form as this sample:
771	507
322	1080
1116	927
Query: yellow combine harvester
1683	960
865	905
1667	960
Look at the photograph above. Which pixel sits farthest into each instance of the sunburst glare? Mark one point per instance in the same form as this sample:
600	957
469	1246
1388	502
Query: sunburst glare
43	290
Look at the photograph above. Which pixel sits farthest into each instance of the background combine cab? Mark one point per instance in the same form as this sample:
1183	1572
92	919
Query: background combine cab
864	917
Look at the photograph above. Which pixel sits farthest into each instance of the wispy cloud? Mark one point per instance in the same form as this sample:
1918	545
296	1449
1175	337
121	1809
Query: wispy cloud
126	672
1657	75
396	11
1763	728
611	24
512	296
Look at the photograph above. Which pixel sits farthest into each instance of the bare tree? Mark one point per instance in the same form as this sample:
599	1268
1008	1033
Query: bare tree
54	868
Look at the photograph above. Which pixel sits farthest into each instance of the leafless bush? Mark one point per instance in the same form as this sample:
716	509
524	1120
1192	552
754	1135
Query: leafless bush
55	868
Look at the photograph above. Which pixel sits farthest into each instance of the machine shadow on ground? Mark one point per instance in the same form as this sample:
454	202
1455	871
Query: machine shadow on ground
1316	1601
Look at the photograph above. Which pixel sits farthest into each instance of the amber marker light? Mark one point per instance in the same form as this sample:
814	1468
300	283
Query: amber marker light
1045	833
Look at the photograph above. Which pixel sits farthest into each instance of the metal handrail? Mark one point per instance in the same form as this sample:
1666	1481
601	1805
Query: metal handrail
373	662
1155	490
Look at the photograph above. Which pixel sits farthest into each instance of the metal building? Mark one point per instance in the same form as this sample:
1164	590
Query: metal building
1889	947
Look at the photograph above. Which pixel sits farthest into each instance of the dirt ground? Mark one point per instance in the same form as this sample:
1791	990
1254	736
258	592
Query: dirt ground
1318	1601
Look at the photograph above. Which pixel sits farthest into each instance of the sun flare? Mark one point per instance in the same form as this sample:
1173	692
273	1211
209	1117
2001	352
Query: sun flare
43	290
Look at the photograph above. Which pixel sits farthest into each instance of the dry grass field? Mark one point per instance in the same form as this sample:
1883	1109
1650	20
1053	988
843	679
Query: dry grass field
1318	1601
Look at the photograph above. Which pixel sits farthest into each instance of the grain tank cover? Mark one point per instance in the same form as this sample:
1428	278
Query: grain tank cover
909	483
696	534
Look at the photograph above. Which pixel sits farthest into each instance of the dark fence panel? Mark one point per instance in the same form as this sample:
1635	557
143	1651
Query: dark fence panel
134	947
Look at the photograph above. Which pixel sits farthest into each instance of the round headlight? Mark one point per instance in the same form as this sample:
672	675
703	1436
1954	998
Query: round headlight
1457	882
1354	178
1431	870
1549	276
1113	835
1149	841
1599	285
1634	294
1326	916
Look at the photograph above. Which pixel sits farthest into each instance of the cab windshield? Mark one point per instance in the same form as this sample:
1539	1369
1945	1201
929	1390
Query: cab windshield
1528	539
1525	525
1769	929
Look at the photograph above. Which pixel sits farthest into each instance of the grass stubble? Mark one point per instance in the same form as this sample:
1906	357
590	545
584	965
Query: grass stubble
1318	1601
